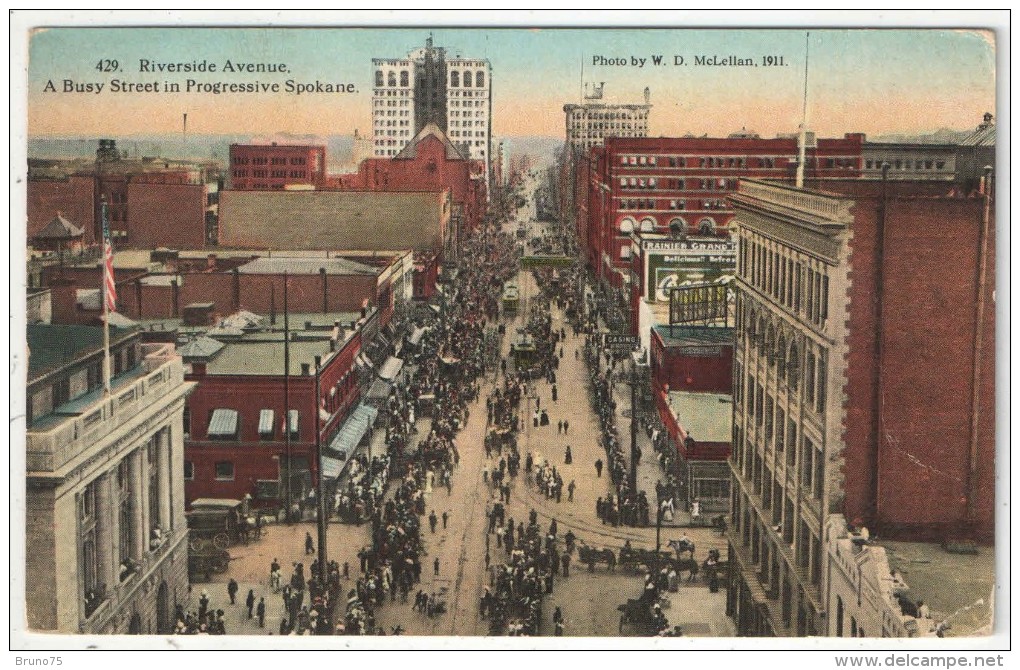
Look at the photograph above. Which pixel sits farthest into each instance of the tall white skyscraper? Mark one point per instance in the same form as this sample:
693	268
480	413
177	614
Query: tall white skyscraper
428	86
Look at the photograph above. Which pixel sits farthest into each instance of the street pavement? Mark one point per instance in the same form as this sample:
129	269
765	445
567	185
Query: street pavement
588	600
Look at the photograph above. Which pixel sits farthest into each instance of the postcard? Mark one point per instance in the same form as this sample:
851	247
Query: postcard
533	335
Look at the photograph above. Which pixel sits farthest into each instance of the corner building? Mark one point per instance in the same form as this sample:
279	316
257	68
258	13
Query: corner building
863	384
105	531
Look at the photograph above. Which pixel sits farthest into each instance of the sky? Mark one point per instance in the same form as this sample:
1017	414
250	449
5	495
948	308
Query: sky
871	81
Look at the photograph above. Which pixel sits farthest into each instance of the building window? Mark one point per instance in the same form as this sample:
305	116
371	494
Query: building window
92	593
405	78
467	79
225	471
189	471
454	78
378	77
391	79
480	79
706	227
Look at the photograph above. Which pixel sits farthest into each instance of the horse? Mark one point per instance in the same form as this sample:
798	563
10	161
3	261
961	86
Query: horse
682	565
684	545
591	556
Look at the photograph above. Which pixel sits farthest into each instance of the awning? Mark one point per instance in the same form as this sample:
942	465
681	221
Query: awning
266	426
223	423
347	440
391	368
380	390
416	336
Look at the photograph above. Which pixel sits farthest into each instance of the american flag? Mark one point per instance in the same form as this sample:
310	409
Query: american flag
109	285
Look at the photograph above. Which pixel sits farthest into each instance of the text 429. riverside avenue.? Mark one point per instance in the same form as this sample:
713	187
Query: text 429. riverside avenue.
290	86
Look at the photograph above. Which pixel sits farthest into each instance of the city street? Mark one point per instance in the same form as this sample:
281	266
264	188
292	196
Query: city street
588	600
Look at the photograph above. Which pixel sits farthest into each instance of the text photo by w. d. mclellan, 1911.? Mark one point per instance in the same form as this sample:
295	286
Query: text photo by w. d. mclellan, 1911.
528	332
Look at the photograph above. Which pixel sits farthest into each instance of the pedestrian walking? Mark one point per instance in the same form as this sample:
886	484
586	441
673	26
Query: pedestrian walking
570	491
232	590
559	427
568	457
309	544
261	612
598	467
446	517
435	567
347	570
250	602
203	604
554	393
566	426
565	561
433	520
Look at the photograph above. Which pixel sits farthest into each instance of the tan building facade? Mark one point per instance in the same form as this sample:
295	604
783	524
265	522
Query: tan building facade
106	534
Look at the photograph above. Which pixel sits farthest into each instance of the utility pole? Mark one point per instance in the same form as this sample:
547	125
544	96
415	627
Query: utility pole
286	397
633	429
320	488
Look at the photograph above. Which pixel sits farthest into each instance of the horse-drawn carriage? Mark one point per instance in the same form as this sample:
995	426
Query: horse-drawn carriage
590	556
638	559
220	522
641	617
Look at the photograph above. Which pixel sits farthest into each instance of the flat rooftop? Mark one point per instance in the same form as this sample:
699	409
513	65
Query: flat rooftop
956	587
706	417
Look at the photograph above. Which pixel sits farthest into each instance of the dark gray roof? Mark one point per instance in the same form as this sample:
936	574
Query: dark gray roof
430	130
695	335
201	347
982	137
52	346
59	228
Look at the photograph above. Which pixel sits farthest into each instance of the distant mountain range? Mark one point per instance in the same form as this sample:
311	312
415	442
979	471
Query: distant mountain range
339	148
940	136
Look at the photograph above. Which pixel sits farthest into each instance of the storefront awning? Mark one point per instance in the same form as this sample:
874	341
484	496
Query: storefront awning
380	390
223	423
347	440
391	368
416	336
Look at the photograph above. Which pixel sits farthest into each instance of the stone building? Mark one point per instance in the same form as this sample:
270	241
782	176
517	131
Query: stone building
105	532
843	304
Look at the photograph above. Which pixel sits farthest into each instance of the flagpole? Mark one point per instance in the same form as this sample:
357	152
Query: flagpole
103	298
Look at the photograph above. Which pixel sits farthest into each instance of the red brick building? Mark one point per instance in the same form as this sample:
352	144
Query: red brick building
73	196
692	382
228	285
235	444
430	162
679	185
150	202
276	166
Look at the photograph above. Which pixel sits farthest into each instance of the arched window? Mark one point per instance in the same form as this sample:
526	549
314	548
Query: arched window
391	79
647	224
467	79
706	227
455	78
379	78
405	78
678	228
770	343
781	356
793	367
480	79
627	225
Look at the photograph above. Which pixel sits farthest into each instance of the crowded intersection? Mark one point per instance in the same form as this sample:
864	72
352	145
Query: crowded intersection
495	496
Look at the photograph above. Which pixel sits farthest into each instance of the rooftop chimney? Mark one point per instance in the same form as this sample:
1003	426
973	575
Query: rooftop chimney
305	369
